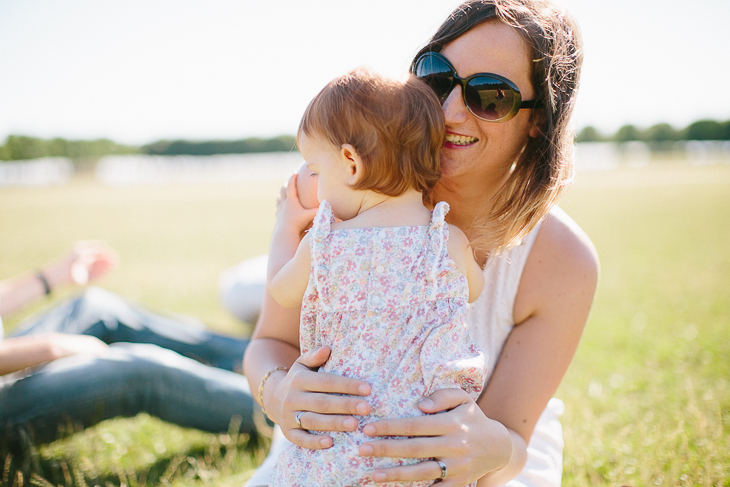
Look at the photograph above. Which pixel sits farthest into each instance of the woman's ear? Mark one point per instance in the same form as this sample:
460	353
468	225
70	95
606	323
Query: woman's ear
537	122
354	163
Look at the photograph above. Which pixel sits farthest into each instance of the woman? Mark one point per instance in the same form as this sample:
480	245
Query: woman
502	172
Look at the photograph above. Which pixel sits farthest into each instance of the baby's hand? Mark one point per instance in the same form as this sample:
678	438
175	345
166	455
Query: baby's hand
289	209
307	187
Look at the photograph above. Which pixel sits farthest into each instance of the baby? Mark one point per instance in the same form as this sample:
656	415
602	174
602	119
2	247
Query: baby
386	286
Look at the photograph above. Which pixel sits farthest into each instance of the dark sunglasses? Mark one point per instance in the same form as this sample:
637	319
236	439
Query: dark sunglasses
488	97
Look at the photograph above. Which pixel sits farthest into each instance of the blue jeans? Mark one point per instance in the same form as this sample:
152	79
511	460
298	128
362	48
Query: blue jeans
155	364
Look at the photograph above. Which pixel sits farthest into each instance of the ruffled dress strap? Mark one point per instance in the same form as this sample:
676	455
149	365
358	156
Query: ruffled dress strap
438	237
319	232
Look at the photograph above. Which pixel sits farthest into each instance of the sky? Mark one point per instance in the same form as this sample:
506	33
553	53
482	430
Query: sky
137	71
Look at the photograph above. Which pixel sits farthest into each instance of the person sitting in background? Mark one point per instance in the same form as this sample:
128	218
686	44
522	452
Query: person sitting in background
98	356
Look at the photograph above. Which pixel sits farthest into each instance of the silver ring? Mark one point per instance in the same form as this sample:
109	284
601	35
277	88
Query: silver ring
444	470
298	419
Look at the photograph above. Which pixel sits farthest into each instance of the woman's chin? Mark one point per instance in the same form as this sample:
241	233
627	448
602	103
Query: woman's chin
449	167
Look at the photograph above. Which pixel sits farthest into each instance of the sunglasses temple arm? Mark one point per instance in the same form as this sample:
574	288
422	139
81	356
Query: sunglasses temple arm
530	104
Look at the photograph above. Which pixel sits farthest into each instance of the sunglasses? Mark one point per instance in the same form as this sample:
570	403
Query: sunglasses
487	96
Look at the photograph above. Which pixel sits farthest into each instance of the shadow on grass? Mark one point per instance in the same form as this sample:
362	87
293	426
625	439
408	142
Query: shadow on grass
227	456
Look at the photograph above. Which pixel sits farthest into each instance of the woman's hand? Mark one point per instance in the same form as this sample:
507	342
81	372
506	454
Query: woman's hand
461	436
304	389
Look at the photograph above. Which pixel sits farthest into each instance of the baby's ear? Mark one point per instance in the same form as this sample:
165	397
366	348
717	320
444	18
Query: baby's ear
354	163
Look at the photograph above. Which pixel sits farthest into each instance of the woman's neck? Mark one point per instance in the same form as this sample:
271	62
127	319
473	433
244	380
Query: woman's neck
468	202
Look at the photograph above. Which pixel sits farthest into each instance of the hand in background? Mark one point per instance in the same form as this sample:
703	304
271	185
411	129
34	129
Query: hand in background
88	261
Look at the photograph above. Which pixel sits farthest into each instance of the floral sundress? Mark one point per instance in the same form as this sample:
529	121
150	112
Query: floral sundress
391	304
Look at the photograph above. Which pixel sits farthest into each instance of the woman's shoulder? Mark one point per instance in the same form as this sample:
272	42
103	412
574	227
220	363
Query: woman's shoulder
563	264
560	235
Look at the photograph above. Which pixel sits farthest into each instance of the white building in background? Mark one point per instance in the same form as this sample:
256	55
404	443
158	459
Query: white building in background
46	171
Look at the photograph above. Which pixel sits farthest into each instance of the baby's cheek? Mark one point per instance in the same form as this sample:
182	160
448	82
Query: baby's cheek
307	188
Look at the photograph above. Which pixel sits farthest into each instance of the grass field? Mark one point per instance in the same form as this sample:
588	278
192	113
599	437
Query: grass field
647	396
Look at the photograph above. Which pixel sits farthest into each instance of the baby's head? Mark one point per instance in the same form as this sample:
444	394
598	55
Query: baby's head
396	127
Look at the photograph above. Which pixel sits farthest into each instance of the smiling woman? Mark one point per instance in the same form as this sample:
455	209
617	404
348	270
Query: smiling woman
501	175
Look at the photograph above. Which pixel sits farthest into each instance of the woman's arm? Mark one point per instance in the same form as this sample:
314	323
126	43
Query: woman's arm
488	441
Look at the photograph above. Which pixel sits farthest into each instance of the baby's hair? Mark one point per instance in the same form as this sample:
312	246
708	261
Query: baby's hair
396	126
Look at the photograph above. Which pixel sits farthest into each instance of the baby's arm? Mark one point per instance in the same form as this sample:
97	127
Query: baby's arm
287	280
460	252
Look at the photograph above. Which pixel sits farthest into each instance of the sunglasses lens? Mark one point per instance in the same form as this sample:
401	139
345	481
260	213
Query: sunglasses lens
489	98
436	74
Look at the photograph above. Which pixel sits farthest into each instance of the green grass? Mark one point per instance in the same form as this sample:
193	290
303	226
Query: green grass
647	396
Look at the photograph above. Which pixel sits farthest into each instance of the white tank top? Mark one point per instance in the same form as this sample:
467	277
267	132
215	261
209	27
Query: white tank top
491	317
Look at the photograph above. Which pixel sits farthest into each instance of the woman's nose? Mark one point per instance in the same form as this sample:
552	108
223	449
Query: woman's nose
455	111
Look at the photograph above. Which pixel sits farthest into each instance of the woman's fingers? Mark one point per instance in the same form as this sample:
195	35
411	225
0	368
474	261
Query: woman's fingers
323	402
329	404
326	422
323	382
308	440
426	470
429	425
410	448
415	426
331	383
315	358
316	393
444	400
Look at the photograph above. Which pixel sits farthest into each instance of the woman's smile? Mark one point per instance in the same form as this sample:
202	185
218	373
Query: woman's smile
457	140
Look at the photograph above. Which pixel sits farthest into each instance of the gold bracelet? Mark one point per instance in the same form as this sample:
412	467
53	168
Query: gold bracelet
261	387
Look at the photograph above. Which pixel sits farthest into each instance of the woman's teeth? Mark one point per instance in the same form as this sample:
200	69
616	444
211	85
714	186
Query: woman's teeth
460	139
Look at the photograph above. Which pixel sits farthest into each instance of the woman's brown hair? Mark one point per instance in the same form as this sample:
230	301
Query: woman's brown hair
397	128
544	170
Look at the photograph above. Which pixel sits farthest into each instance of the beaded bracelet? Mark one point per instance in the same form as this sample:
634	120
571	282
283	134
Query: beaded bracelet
261	387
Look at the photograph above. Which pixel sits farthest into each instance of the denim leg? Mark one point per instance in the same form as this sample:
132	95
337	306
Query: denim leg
112	319
132	378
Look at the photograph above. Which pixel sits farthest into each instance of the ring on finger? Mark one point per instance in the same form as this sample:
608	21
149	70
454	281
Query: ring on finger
442	466
298	419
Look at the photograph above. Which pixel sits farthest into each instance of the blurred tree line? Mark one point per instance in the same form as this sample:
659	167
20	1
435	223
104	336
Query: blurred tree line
660	133
19	147
283	143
